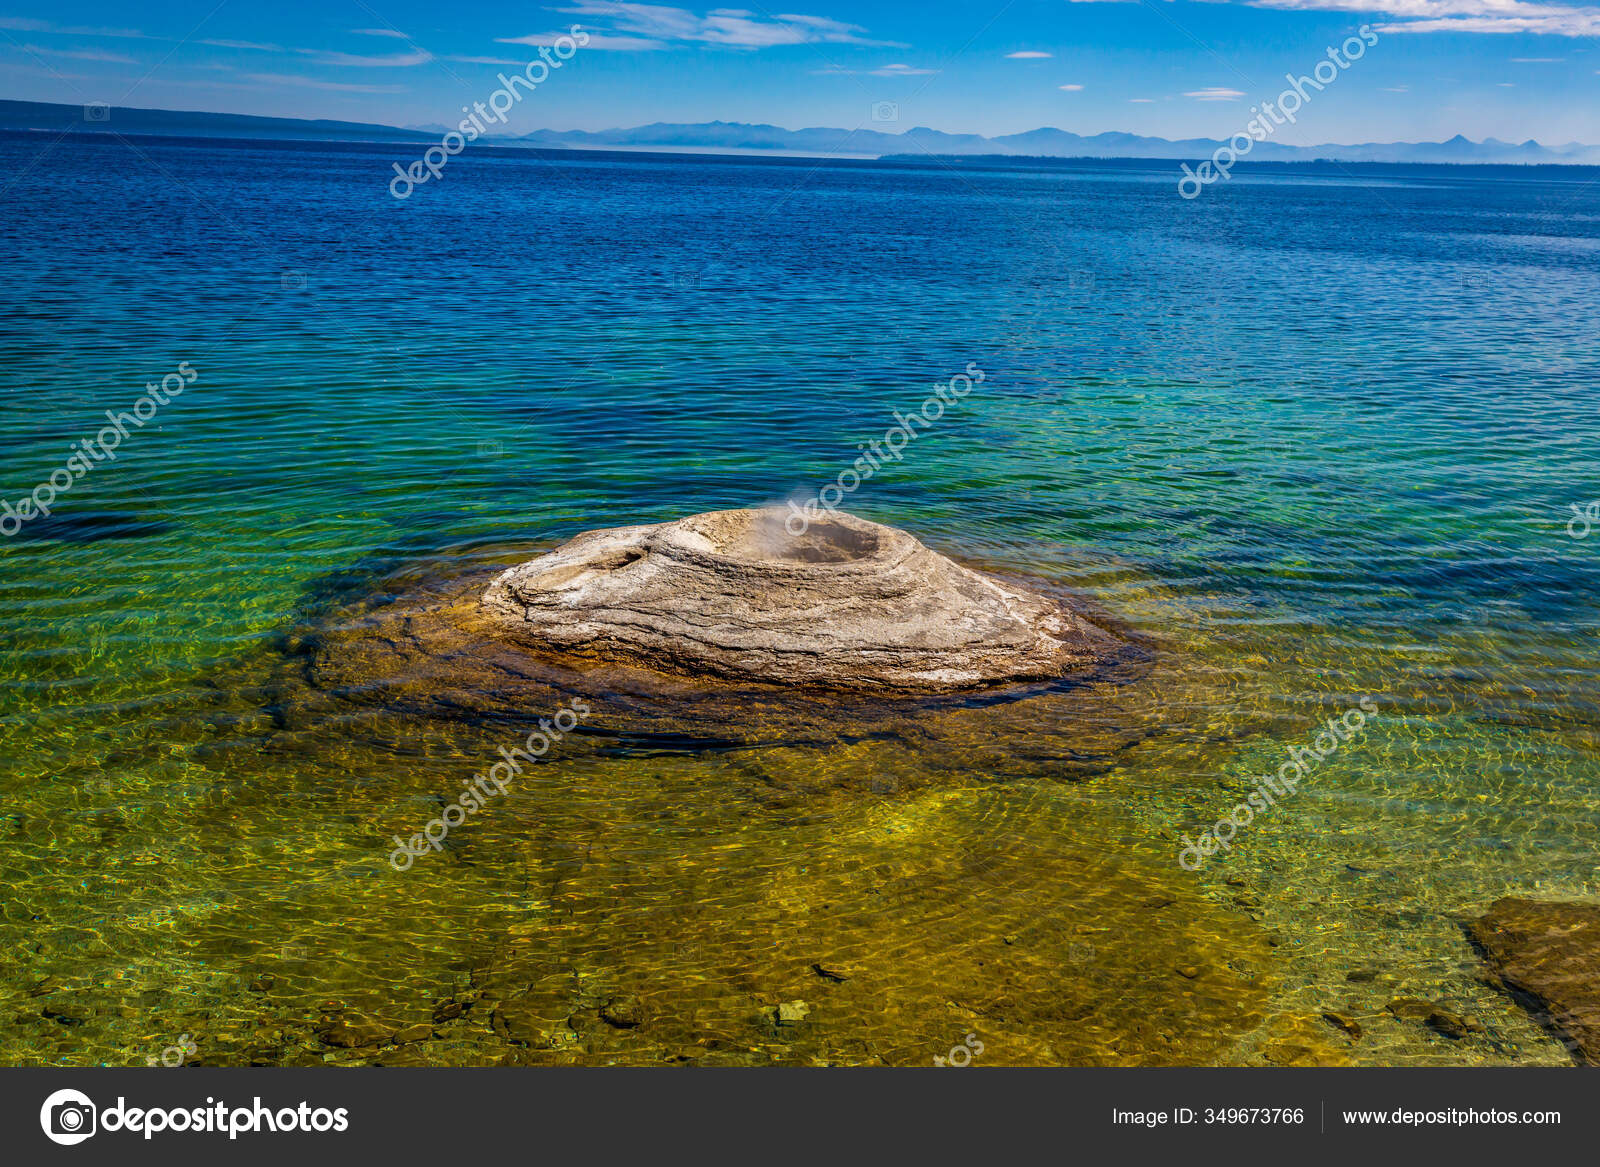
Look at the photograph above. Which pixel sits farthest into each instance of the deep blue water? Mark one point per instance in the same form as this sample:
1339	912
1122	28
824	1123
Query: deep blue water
1325	428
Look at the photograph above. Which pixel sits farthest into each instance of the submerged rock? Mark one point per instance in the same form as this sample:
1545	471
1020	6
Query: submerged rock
623	1012
847	604
418	646
1453	1025
1343	1022
1549	952
791	1012
354	1032
1411	1008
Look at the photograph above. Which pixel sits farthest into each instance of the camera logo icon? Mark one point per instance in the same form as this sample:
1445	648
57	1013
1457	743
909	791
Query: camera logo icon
68	1117
96	111
885	111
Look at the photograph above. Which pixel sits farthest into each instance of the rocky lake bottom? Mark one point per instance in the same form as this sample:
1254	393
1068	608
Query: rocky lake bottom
742	877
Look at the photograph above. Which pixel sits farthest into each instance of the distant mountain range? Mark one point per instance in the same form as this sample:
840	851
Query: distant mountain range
41	115
1041	143
705	137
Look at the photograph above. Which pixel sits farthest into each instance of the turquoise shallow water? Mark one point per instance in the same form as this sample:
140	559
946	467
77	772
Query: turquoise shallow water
1317	436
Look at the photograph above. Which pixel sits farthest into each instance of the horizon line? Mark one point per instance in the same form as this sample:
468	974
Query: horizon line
527	139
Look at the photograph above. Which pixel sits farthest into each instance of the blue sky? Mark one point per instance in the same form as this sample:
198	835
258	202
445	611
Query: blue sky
1511	69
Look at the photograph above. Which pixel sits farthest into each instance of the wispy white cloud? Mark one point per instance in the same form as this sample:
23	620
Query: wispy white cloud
392	33
1215	94
416	56
1537	60
1142	100
314	83
1462	16
834	70
1575	24
487	61
1466	16
355	60
605	42
1029	55
80	55
1071	88
225	44
22	24
728	27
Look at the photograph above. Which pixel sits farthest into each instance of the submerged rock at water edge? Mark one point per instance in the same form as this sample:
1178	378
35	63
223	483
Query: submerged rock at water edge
846	604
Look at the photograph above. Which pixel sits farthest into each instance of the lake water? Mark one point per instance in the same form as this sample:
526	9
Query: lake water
1316	438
